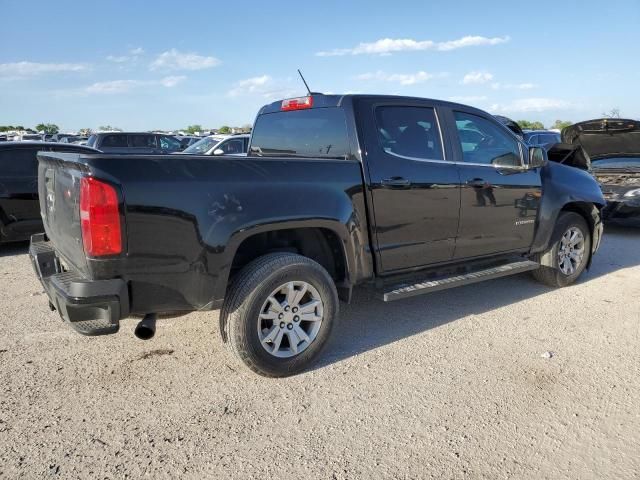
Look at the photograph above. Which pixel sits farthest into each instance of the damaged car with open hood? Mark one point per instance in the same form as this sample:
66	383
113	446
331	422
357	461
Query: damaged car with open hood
610	148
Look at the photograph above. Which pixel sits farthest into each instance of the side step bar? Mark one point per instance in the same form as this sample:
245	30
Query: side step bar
406	290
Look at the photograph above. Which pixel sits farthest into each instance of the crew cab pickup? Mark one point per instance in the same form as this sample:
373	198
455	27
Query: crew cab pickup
410	194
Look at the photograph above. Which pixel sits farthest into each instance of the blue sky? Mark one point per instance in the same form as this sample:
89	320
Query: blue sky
147	65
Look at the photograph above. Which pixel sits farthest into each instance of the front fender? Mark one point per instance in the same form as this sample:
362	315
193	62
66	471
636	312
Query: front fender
565	187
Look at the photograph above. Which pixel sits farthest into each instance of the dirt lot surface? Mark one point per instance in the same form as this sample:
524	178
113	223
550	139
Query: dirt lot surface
458	384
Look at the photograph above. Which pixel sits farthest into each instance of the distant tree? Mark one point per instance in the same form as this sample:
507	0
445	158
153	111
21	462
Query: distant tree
529	125
613	113
246	128
560	124
85	131
224	129
47	128
193	129
109	128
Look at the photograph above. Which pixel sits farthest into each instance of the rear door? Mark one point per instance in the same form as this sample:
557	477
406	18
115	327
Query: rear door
415	189
499	195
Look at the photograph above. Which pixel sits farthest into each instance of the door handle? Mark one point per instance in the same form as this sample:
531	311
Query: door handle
476	182
395	182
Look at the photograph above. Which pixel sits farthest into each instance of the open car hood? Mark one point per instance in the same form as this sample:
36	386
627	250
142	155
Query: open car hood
605	137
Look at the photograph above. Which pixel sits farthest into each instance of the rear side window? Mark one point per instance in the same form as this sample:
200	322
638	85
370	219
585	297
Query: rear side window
115	141
315	133
142	141
409	132
18	163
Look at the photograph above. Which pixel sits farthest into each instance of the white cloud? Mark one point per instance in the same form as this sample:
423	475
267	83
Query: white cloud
120	59
513	86
176	60
133	55
23	69
477	78
172	81
264	86
124	86
524	105
401	78
468	98
387	46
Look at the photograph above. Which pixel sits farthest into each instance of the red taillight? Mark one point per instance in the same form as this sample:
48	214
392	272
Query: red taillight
299	103
99	218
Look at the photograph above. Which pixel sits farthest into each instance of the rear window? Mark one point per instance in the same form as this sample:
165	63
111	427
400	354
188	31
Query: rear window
316	133
114	141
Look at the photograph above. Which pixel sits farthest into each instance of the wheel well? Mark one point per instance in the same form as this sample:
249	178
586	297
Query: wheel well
584	210
319	244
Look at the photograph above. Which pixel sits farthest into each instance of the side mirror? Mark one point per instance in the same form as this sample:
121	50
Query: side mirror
537	157
218	151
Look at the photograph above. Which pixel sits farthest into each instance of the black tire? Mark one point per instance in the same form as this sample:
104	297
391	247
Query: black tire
248	293
550	273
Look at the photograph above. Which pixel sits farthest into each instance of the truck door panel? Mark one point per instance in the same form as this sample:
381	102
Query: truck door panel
499	196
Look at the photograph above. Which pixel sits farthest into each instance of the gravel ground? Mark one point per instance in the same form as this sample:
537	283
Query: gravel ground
457	384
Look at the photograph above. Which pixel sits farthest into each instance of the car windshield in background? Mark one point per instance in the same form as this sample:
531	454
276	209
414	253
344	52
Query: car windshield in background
317	133
203	146
617	162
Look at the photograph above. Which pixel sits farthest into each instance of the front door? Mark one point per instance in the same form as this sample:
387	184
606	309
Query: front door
499	195
414	189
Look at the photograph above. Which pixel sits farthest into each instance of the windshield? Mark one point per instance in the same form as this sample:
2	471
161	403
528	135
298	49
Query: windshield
203	146
617	162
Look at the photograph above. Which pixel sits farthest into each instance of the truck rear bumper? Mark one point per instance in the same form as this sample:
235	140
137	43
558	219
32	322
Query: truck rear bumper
91	307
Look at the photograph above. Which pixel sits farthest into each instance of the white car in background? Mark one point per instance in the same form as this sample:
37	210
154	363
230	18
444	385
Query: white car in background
220	145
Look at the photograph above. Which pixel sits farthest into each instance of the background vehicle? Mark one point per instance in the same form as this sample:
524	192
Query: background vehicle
76	139
140	143
541	138
186	141
220	145
612	148
57	137
19	209
415	195
31	137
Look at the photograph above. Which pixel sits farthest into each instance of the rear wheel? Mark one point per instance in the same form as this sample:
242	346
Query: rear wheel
278	313
568	253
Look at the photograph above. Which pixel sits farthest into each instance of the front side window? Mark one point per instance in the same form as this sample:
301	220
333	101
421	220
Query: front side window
169	143
232	146
483	142
409	132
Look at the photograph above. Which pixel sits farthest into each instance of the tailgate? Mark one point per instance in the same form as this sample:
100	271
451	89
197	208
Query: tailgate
59	177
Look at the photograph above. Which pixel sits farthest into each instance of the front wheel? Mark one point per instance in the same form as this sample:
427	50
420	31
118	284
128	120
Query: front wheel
278	313
567	256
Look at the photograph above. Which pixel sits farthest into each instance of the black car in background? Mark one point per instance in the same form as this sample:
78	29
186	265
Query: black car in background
141	143
612	148
541	138
19	208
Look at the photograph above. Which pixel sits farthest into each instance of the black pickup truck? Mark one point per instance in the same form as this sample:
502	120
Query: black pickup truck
413	195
